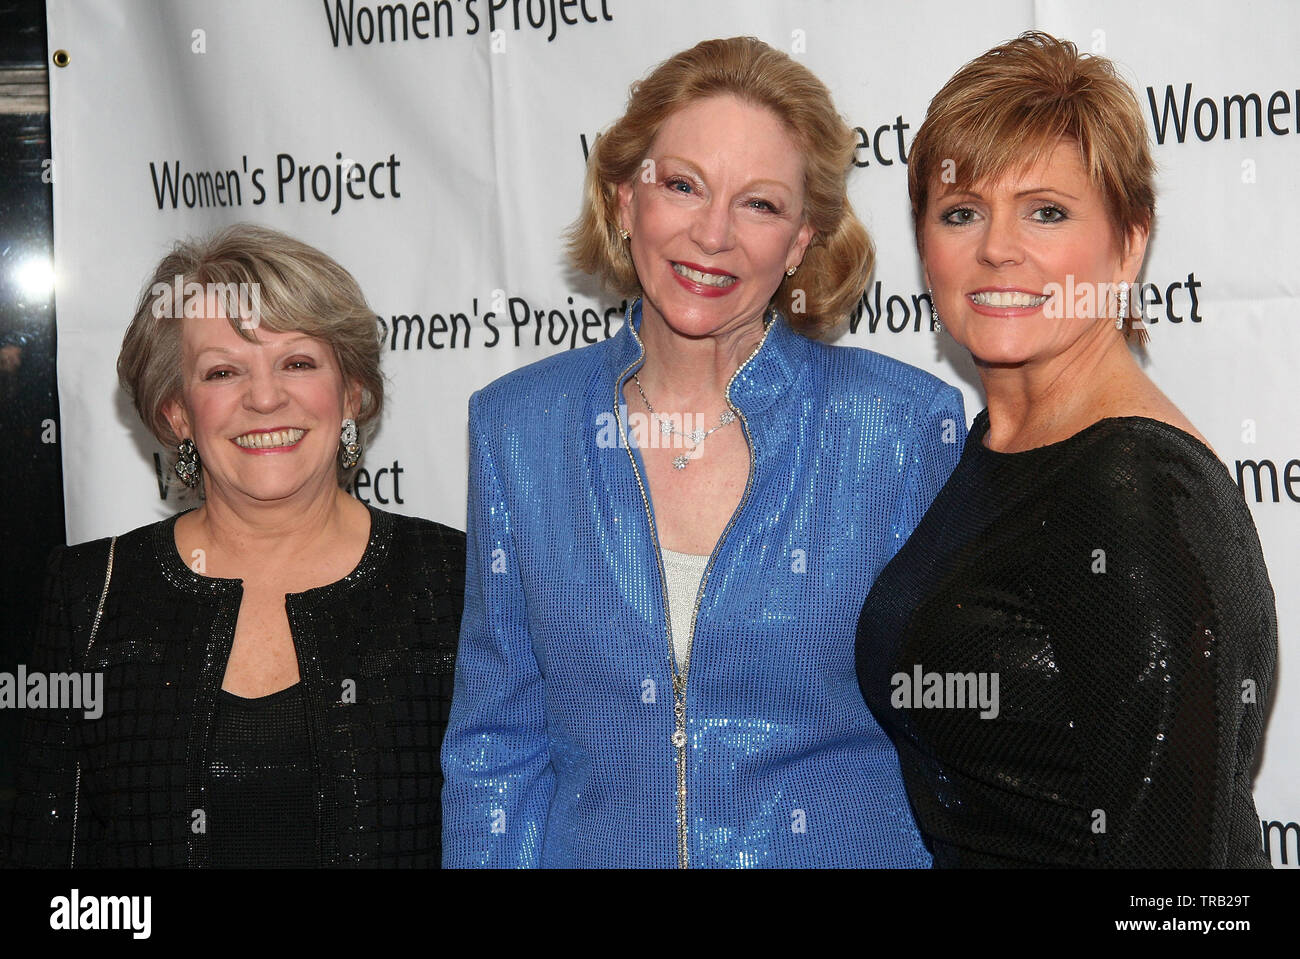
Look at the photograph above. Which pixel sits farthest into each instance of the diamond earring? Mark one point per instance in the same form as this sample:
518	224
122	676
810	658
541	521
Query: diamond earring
187	463
1121	314
350	450
934	314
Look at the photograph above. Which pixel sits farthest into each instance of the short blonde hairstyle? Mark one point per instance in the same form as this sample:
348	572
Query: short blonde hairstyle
1009	107
839	258
301	290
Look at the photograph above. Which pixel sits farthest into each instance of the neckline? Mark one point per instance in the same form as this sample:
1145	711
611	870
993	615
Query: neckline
673	554
761	377
980	428
179	574
270	699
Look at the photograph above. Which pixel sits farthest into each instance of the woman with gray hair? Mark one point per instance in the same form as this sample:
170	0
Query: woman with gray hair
276	663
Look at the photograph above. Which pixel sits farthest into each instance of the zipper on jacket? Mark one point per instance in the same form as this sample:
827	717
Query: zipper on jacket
679	676
679	685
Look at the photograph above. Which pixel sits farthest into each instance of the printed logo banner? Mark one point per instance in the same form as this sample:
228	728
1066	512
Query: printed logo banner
436	149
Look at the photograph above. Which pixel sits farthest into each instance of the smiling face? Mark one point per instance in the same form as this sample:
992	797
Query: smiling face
264	415
1024	270
716	216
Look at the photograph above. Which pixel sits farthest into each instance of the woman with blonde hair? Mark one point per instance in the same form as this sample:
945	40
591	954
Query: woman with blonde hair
671	532
1087	597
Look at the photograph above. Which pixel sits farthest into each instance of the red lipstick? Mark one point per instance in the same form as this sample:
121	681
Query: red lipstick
703	289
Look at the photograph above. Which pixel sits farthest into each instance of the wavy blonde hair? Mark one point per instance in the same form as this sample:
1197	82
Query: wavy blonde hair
839	258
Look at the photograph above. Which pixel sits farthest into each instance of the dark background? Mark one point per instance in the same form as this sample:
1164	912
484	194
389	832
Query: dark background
31	473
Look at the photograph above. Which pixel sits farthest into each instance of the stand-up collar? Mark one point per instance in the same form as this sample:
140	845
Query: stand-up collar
761	379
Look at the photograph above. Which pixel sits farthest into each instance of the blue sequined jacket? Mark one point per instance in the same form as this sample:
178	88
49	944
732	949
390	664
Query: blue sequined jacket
563	747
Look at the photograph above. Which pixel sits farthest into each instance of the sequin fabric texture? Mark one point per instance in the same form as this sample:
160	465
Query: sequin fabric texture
376	657
1114	583
559	750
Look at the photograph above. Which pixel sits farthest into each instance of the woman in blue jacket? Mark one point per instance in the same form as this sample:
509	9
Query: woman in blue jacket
671	532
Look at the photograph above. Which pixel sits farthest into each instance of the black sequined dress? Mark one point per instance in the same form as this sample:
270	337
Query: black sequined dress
1113	587
135	784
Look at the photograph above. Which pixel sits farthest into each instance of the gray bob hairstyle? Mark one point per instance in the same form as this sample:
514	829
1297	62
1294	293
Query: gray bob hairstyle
287	286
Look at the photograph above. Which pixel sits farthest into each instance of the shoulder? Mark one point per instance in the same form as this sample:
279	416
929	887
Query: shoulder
557	378
84	559
1177	534
1170	497
1135	397
416	529
422	549
866	372
77	572
1144	457
884	396
1143	469
425	567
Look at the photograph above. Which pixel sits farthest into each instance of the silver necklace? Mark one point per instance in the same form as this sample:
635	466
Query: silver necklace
668	427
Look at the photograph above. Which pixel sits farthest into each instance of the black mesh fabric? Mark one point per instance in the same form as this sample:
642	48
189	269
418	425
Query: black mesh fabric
1115	585
376	658
262	783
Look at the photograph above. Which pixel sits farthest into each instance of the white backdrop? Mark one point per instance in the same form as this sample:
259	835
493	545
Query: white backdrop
473	116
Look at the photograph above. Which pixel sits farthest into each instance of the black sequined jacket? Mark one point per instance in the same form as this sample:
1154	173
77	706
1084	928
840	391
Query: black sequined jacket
376	657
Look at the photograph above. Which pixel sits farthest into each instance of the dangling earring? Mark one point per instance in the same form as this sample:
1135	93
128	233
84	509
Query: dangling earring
350	451
187	463
1121	317
934	314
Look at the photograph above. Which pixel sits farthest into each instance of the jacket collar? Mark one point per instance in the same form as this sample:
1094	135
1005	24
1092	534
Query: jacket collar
216	590
761	380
